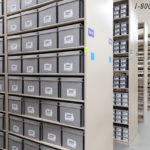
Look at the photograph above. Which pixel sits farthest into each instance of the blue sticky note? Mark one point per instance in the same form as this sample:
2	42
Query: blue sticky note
91	32
131	57
110	41
110	59
92	56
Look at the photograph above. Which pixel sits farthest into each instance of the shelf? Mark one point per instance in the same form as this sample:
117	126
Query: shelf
121	90
121	37
2	35
124	107
2	16
121	142
120	124
121	19
2	92
121	55
121	72
2	111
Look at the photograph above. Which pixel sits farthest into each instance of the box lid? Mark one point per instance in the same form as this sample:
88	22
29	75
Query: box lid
29	12
51	126
71	53
47	102
66	1
31	78
72	79
71	105
14	16
36	123
45	148
47	31
16	98
30	34
73	131
14	78
48	55
14	37
14	57
54	79
47	6
30	56
14	138
16	118
1	96
32	144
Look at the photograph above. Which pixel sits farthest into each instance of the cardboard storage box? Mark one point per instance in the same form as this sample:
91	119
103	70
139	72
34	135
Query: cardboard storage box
14	43
14	64
28	145
13	23
1	7
29	42
15	143
2	140
13	5
16	125
72	88
1	121
29	19
49	110
31	107
72	114
71	36
73	139
30	63
48	39
1	26
15	84
28	3
31	85
70	10
32	129
71	62
52	134
1	45
15	104
47	15
48	63
2	100
1	64
45	148
2	82
49	86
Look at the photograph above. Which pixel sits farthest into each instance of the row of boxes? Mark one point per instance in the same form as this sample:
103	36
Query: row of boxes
2	140
1	64
1	7
1	26
1	45
62	62
63	37
67	113
2	121
49	133
2	102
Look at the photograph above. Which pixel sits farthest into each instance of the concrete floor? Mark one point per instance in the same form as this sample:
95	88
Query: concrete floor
142	141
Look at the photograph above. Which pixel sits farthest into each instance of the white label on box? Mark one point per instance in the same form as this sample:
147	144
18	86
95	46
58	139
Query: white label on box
47	18
14	107
15	148
14	46
68	66
14	67
14	88
30	69
51	137
13	27
16	128
31	133
68	14
30	88
68	39
13	7
0	87
28	2
49	90
71	92
71	143
47	43
30	110
28	24
29	45
48	112
48	67
69	117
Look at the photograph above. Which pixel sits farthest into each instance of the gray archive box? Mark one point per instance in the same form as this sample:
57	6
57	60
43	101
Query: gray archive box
15	143
31	85
1	64
28	3
30	145
2	139
47	15
29	42
72	114
1	7
46	148
15	104
16	125
71	36
13	23
49	86
1	102
13	5
29	19
30	63
51	133
1	26
73	139
71	62
15	84
49	110
2	83
48	39
1	121
32	129
70	10
1	45
31	107
72	88
14	64
48	63
14	44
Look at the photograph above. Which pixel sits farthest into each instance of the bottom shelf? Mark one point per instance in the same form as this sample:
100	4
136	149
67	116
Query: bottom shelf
121	142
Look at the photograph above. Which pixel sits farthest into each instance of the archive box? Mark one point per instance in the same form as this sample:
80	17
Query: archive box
71	36
15	84
72	114
123	46
13	5
13	23
71	62
14	64
49	86
52	134
1	121
116	48
15	143
1	7
48	39
1	26
30	63
2	82
2	102
1	64
70	10
32	129
29	19
47	15
31	107
16	125
28	3
28	145
31	85
49	110
1	45
73	139
14	44
72	88
29	42
2	140
45	148
48	63
15	104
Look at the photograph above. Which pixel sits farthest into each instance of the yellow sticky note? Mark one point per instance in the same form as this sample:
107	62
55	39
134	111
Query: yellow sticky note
85	49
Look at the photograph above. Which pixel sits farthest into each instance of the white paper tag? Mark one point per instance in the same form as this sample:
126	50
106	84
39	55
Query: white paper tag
31	133
15	148
68	66
0	87
68	39
13	7
47	43
14	46
51	137
29	45
14	88
48	112
69	117
30	88
30	110
28	24
16	128
28	2
49	90
68	14
13	67
13	27
48	67
71	143
47	18
30	69
14	107
71	92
